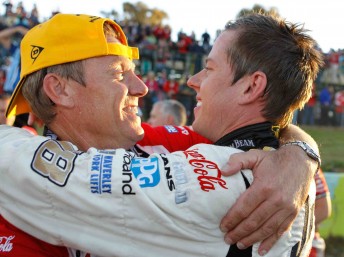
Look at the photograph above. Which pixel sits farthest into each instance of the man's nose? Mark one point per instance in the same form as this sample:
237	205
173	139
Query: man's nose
194	81
136	86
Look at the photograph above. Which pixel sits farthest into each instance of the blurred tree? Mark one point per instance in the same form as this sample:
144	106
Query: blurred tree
257	9
157	16
142	14
110	14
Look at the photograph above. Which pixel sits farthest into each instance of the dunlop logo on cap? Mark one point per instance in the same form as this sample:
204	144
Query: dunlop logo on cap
35	52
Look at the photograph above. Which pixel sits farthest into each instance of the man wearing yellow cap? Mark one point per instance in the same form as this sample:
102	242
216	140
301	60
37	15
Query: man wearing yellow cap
101	112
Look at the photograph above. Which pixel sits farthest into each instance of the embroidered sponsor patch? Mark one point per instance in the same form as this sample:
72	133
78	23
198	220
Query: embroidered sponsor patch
55	161
171	129
209	174
238	143
181	194
101	171
146	171
127	175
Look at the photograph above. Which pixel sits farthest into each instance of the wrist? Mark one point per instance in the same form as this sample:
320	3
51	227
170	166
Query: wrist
311	153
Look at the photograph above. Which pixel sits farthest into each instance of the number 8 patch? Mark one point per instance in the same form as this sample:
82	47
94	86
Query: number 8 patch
54	161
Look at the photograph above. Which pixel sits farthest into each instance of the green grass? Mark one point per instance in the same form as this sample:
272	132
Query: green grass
331	145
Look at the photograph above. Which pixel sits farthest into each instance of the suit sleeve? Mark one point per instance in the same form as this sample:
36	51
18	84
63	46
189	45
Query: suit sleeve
111	203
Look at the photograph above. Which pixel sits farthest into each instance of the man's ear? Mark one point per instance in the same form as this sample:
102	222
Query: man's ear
57	89
255	87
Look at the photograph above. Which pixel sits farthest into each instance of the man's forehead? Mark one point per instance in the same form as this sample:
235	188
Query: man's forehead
123	61
219	52
110	62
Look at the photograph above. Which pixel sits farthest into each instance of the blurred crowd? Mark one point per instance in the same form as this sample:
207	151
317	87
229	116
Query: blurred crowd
165	66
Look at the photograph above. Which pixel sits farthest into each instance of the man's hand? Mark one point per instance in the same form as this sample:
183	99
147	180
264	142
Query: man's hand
269	206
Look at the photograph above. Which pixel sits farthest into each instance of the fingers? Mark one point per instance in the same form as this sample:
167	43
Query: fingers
269	232
267	222
254	208
267	244
242	208
256	227
239	161
267	209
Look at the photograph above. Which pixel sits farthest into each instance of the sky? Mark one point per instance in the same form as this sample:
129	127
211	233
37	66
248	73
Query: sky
322	18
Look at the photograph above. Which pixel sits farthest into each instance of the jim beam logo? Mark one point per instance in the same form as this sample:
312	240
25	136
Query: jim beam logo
35	52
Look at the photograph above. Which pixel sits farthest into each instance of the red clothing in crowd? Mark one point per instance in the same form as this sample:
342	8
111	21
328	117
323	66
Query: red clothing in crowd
171	87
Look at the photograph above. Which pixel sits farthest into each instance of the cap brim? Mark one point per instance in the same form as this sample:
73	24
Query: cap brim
18	104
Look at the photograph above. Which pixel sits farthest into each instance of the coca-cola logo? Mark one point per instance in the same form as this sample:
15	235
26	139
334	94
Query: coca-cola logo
5	243
209	172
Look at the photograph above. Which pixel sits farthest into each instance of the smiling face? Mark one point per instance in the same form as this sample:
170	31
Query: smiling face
217	111
106	107
109	99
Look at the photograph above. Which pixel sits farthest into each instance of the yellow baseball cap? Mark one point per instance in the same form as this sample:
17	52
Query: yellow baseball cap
64	38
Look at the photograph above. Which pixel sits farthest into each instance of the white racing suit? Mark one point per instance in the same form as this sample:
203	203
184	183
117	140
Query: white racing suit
111	203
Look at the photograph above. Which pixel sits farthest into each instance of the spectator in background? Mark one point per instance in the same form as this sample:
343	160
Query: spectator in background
308	111
9	40
8	17
326	100
322	211
187	96
34	16
4	100
161	78
339	104
171	86
2	80
183	44
196	59
206	42
21	16
334	66
3	106
167	112
147	46
153	92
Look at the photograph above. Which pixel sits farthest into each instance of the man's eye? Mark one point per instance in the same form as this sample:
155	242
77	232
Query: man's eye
119	75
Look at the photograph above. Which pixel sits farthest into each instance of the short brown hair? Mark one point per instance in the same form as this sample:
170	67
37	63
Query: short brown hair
284	52
33	91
